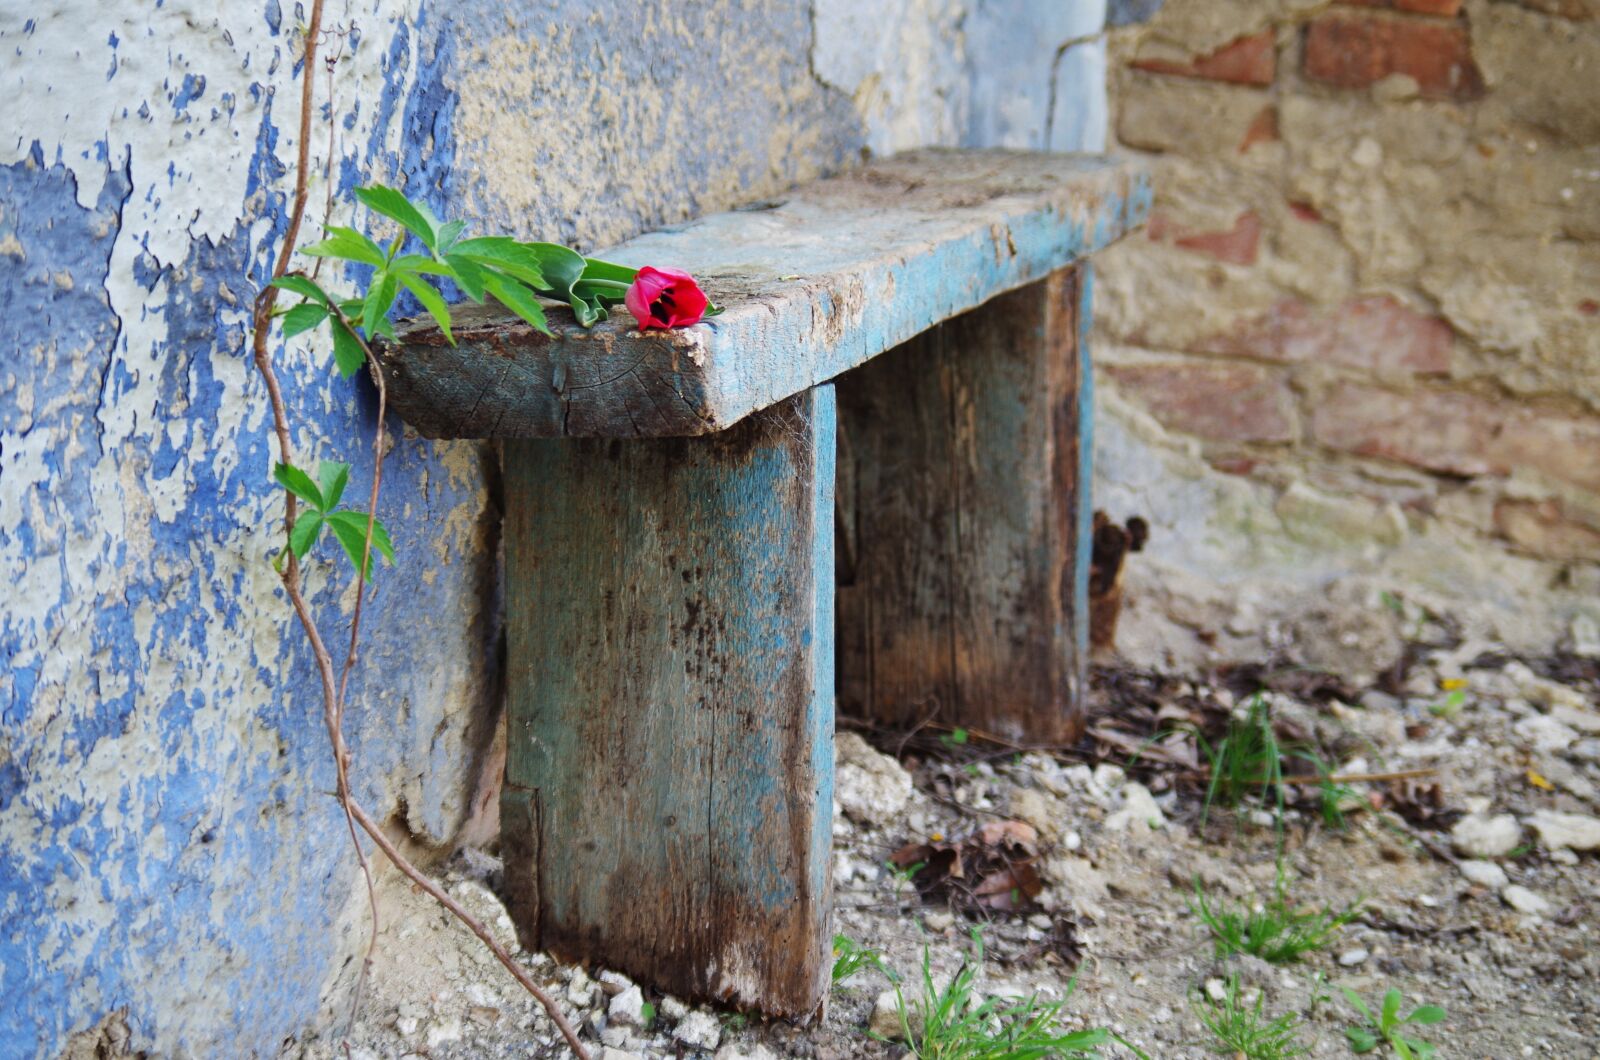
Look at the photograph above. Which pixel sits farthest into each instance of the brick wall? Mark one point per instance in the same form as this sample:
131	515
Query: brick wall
1373	270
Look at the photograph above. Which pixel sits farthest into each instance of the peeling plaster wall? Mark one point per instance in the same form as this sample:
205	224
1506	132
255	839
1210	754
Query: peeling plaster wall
167	845
1358	343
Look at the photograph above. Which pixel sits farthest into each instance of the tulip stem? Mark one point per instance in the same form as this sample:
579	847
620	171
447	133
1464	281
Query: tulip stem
615	284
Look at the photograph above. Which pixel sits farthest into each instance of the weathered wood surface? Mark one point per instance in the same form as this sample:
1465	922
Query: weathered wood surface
965	521
669	783
828	277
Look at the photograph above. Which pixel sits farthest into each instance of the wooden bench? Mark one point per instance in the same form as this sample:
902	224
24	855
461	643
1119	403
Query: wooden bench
880	451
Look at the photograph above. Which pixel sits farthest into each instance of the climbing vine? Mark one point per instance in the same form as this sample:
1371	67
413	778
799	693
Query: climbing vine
426	253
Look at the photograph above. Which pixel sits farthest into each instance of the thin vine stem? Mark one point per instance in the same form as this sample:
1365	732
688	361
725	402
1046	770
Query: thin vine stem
333	689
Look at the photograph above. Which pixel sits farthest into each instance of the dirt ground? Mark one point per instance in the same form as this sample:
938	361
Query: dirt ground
1476	872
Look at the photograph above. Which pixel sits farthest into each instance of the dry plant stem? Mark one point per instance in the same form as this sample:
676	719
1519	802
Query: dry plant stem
1331	778
332	690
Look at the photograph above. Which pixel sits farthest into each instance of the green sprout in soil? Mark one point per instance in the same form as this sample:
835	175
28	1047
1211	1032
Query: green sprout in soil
1386	1027
1240	1030
955	1022
1246	762
1275	931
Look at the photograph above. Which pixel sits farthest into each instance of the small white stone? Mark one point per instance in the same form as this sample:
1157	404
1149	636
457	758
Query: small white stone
580	990
939	922
1523	900
1138	810
1216	989
870	787
752	1052
609	1053
885	1019
1477	836
443	1032
1573	831
699	1030
672	1009
1485	874
1545	734
407	1025
1351	958
1586	636
627	1008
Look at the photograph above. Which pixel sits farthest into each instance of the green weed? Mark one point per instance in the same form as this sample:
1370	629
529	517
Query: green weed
849	957
954	1023
1386	1027
1240	1030
1276	931
1247	762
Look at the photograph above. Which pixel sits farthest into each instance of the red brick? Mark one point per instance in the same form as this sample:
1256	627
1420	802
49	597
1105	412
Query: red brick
1263	129
1236	246
1459	434
1354	51
1448	8
1248	60
1542	527
1218	402
1555	446
1434	430
1375	333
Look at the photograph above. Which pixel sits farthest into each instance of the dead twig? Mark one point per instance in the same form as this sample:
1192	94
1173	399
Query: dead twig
1320	778
333	690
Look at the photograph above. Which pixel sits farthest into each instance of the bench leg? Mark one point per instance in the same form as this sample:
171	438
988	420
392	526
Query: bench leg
965	521
669	780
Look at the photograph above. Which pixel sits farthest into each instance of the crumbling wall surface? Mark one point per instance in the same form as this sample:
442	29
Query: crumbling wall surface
170	859
1361	335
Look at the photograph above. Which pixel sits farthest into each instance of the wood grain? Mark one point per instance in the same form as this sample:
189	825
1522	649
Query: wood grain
829	277
668	804
967	520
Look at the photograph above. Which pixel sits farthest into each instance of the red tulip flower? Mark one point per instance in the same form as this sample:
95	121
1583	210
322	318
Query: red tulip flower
666	298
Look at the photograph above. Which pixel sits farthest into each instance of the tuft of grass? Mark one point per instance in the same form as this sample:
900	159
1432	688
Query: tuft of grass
1276	931
954	1023
1387	1028
1244	1031
849	957
1246	762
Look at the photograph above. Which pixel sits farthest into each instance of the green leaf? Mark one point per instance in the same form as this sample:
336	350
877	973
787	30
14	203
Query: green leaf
347	354
380	297
1391	1010
395	206
562	266
334	477
350	527
469	277
304	533
507	255
1426	1015
1358	1004
449	232
589	311
348	244
431	301
518	299
418	263
298	483
1361	1039
303	317
595	269
303	286
1402	1048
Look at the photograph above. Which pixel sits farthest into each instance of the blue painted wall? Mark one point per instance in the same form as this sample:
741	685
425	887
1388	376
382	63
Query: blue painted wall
167	846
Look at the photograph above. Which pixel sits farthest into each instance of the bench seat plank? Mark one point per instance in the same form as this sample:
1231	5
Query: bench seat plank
825	279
